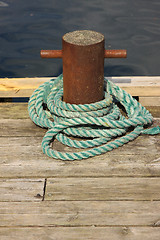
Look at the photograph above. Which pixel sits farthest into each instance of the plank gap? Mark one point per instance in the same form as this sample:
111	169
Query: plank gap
44	189
80	226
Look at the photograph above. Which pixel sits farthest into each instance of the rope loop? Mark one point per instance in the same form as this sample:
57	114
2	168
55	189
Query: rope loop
100	121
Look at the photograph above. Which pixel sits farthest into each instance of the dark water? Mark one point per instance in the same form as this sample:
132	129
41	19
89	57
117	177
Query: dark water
27	26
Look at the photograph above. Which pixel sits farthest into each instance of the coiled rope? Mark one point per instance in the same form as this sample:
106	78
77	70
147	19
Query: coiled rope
101	122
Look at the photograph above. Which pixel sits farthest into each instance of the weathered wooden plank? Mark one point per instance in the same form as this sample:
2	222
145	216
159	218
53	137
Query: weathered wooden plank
14	111
103	189
20	87
142	145
135	79
150	101
154	110
20	127
21	189
22	156
80	233
80	213
20	111
30	162
136	86
25	127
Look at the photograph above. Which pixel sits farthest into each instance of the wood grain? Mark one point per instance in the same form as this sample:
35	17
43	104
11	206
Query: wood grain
13	110
31	162
80	213
112	196
21	189
20	128
20	110
25	127
19	87
22	156
142	145
88	189
150	101
136	86
154	110
80	233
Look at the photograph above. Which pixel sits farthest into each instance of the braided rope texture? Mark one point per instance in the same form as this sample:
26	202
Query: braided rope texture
101	123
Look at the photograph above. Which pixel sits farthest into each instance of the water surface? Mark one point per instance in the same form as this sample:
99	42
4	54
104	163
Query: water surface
28	26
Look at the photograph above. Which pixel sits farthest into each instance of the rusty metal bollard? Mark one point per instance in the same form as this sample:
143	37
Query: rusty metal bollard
83	56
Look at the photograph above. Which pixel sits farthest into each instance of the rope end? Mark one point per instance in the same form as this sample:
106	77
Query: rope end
152	131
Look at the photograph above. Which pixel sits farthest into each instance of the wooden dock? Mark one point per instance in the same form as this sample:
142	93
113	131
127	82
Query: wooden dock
113	196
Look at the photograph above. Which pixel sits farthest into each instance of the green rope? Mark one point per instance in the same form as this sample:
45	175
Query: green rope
101	121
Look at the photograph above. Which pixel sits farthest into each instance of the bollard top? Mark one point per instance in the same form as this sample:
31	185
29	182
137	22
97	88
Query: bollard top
83	37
